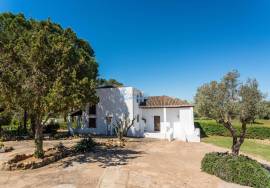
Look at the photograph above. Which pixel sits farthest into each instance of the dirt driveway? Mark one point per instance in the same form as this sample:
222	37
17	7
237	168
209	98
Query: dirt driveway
143	163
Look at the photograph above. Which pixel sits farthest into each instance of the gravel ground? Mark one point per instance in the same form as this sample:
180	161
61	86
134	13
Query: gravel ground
142	163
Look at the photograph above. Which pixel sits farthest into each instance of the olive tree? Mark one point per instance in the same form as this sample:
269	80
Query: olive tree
44	70
227	100
264	111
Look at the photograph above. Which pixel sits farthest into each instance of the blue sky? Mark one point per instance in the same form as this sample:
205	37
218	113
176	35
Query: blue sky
166	47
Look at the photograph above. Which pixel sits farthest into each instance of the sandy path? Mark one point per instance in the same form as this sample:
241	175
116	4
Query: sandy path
165	164
142	163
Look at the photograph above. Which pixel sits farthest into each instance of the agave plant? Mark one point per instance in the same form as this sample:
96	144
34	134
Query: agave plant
122	126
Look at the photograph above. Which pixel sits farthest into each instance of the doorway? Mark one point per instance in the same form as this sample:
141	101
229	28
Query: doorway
156	123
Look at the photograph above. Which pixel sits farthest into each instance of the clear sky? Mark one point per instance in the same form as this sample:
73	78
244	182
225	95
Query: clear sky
166	47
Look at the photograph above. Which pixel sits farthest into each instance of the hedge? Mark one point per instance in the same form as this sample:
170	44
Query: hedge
236	169
210	128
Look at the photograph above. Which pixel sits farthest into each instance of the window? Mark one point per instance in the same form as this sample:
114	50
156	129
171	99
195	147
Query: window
92	123
138	118
92	110
138	98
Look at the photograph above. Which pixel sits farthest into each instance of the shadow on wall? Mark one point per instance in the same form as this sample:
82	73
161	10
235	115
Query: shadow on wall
198	125
112	106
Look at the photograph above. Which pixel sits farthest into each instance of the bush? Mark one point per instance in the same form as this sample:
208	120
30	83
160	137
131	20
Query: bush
5	118
237	169
51	127
1	145
84	145
211	128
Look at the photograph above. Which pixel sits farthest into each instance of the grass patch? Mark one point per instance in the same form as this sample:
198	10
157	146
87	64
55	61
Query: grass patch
249	146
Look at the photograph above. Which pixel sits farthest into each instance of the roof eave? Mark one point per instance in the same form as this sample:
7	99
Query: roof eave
178	106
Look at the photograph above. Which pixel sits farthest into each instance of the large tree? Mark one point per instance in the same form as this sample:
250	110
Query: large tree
111	82
227	100
44	69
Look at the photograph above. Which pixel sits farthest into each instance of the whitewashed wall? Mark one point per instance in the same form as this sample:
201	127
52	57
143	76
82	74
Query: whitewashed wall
172	115
180	120
187	120
148	114
116	102
138	129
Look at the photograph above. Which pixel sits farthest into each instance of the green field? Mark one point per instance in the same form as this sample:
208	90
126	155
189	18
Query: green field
258	130
249	146
258	123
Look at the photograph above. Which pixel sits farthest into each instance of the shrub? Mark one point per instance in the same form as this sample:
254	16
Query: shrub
39	154
51	127
84	145
1	145
5	118
237	169
211	128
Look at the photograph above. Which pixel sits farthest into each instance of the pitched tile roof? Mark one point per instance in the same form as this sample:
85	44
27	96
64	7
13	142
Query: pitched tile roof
163	101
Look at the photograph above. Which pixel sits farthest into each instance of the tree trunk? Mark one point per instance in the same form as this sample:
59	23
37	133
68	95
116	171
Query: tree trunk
39	153
25	120
236	145
236	149
33	122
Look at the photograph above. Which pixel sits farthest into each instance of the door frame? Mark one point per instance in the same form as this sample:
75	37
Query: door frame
157	123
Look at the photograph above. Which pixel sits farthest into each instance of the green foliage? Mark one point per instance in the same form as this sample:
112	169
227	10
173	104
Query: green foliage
5	113
51	127
1	145
237	169
211	128
39	154
13	131
85	145
45	69
264	110
5	118
111	82
227	100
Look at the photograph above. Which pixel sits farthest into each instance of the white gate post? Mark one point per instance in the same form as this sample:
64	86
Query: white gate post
165	114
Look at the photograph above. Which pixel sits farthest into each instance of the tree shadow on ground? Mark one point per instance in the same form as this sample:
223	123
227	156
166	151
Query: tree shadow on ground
105	157
257	123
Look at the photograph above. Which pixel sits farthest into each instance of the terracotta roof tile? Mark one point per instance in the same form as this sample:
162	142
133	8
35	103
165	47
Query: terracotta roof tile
163	101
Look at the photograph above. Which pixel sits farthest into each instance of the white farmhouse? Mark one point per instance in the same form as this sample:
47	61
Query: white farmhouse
156	117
